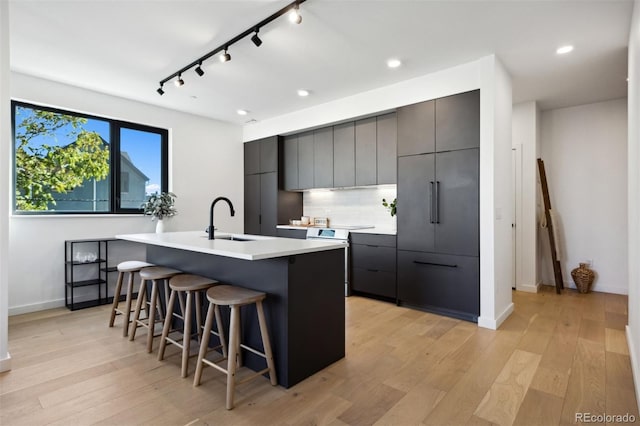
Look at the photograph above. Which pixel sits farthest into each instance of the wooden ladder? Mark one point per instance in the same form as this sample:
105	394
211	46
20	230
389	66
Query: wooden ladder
557	269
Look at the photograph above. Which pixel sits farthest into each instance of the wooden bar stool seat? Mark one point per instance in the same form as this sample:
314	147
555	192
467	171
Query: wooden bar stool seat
235	297
193	286
153	274
131	267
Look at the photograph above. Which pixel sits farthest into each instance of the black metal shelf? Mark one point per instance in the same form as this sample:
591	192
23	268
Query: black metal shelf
76	262
86	304
85	283
109	269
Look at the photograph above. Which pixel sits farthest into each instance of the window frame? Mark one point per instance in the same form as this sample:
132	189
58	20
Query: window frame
114	160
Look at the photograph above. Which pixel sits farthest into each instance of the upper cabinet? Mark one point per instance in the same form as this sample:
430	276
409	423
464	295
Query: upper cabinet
357	153
261	156
387	148
344	155
444	124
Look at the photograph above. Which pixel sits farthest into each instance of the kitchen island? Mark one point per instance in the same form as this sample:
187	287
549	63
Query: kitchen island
304	282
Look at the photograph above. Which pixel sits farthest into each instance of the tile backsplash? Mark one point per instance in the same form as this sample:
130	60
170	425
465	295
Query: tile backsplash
354	206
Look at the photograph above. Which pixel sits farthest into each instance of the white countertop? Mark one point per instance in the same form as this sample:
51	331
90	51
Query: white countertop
260	247
372	230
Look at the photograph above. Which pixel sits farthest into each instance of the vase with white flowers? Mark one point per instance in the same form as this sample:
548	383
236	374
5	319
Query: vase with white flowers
160	206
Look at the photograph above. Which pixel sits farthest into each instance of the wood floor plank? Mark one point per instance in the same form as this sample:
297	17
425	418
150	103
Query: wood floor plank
592	330
500	404
616	341
413	407
587	382
551	380
539	408
616	321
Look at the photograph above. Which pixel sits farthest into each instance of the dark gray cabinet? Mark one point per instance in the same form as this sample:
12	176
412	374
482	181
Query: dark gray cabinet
416	128
291	162
439	198
305	160
373	265
441	283
458	121
261	156
386	148
438	205
299	234
265	204
344	155
366	160
323	158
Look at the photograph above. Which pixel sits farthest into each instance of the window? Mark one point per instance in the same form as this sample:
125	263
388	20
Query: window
67	162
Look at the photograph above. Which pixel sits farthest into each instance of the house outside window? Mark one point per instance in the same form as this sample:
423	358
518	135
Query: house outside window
66	162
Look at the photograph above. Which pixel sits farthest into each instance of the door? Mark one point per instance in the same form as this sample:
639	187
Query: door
416	217
366	152
252	157
458	121
269	154
457	200
252	204
291	162
387	144
323	158
305	161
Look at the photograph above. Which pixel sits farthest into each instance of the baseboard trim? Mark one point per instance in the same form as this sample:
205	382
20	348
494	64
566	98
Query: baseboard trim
528	288
635	368
35	307
598	288
5	363
494	323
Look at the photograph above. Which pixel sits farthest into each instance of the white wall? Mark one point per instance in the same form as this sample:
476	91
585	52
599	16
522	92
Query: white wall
584	149
525	142
205	162
5	176
496	200
633	329
489	76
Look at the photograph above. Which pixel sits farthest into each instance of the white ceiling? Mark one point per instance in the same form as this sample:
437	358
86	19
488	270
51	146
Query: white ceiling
125	48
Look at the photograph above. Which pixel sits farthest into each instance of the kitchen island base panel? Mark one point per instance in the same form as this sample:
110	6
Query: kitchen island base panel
304	307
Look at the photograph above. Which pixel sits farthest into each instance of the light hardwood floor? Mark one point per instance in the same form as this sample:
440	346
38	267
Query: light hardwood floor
554	357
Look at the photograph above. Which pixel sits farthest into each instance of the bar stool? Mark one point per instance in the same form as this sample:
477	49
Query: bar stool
153	274
130	267
192	285
235	297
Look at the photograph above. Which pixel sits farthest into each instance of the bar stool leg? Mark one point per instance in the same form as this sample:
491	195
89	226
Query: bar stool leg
167	326
264	332
233	352
204	344
127	311
186	337
142	291
152	314
223	341
199	315
116	299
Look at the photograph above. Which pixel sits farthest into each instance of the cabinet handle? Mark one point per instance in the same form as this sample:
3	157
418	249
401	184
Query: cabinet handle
431	200
437	201
372	270
435	264
369	245
259	219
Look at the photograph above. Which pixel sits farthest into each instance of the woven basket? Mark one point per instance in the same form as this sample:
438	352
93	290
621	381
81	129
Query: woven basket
583	277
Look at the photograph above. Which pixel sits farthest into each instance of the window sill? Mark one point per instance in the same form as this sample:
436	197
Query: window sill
73	215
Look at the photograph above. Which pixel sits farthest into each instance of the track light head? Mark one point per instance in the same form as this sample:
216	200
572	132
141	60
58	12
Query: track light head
179	81
199	70
255	39
224	57
294	15
160	91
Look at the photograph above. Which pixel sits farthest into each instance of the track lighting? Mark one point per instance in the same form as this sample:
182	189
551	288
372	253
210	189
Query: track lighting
294	15
224	57
255	39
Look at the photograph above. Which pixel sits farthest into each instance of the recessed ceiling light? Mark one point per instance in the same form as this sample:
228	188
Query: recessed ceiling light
242	112
564	49
394	63
303	92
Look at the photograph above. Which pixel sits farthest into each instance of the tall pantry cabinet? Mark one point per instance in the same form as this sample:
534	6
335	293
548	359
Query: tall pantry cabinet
438	205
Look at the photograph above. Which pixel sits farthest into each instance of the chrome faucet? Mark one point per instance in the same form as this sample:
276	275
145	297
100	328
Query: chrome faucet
233	213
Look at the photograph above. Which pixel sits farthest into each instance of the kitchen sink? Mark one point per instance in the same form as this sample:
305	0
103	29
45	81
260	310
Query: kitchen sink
239	238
